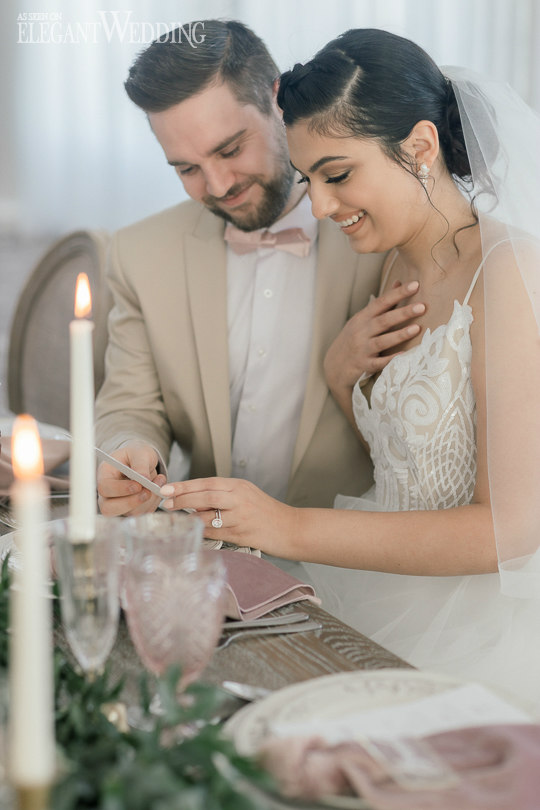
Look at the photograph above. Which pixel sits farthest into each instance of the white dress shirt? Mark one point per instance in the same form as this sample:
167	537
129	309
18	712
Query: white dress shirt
270	314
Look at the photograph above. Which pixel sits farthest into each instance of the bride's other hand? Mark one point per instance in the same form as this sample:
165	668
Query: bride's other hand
250	517
379	327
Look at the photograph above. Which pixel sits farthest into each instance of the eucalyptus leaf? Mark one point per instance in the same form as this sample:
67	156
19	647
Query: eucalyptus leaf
102	769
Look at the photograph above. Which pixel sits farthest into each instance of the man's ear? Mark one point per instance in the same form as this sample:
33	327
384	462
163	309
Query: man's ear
277	108
422	144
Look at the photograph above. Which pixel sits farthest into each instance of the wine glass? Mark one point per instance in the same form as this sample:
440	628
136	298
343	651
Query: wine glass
173	593
88	574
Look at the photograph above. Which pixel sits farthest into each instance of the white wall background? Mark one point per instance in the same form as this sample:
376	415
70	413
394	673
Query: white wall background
76	153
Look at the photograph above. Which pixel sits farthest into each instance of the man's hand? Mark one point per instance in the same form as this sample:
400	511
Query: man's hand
119	495
377	328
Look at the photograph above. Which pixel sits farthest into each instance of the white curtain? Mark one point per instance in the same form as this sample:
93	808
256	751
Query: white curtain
77	153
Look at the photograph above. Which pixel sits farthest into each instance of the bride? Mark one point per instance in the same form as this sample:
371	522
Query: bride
439	169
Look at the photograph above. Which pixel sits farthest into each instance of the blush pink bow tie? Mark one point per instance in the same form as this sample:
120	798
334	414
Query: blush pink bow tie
293	240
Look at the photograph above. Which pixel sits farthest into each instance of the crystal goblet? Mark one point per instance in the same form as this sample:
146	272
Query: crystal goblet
173	593
88	575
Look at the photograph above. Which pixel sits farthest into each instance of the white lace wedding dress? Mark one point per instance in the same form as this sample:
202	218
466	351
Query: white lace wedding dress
420	426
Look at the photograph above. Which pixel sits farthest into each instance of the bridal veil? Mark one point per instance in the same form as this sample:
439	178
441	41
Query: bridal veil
502	136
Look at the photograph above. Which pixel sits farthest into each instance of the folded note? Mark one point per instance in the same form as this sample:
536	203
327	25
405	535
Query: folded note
256	587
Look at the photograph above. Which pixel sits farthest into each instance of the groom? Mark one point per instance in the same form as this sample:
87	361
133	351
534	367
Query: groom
216	339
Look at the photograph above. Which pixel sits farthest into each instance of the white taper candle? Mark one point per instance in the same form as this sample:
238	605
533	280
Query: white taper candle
31	755
82	466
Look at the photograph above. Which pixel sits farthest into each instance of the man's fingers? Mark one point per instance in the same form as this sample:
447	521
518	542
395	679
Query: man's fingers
128	505
119	495
112	483
118	487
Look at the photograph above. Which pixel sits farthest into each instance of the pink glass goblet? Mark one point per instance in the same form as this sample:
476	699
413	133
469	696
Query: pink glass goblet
173	592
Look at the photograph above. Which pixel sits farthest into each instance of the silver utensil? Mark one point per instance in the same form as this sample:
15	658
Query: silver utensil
245	691
266	621
301	627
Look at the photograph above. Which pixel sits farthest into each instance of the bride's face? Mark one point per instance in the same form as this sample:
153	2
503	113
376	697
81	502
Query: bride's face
374	200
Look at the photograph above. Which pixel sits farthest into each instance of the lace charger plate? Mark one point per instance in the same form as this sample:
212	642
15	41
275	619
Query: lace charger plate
331	697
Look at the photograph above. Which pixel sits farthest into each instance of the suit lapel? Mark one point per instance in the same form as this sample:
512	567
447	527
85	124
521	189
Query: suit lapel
336	264
205	262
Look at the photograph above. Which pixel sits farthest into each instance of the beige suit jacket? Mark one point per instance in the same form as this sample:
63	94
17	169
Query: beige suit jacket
167	375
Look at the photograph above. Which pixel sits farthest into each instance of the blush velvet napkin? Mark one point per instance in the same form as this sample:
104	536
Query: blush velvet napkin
256	586
497	768
55	453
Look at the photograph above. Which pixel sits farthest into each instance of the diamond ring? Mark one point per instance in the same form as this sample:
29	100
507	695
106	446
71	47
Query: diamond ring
217	522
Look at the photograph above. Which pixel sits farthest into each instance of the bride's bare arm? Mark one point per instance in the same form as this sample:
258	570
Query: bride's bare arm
445	542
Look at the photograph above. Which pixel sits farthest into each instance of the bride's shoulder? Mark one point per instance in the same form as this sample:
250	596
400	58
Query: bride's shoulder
506	245
501	239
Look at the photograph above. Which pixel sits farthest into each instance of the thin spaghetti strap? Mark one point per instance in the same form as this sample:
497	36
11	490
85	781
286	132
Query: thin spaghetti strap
479	269
473	282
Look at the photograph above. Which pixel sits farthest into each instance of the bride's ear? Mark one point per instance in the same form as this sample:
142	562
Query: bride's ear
422	144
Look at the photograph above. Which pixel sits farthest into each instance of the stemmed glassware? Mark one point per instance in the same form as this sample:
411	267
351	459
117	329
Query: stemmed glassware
88	574
173	593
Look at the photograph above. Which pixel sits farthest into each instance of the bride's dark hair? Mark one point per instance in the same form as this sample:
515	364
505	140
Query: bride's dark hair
370	83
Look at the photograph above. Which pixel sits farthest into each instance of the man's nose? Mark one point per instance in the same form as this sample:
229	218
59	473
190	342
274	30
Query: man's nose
219	179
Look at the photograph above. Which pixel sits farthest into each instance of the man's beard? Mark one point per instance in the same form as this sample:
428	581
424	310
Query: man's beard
276	194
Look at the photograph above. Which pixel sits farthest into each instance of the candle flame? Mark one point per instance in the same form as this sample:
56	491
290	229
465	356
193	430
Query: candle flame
83	299
26	454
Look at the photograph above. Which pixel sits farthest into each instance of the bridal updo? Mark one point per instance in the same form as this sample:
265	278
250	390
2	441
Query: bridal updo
370	83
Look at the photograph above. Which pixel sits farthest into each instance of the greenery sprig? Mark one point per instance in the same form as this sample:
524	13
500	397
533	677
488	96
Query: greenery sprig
103	768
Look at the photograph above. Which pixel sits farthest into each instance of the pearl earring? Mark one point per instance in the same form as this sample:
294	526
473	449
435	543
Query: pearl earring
423	174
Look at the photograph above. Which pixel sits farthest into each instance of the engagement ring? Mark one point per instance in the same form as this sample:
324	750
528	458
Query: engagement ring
217	522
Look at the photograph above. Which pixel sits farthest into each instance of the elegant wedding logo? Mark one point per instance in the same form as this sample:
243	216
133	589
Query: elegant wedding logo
50	28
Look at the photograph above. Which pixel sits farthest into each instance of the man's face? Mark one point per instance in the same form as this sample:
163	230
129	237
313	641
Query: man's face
229	156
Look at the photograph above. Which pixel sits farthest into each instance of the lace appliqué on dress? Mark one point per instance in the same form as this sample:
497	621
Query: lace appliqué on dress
420	424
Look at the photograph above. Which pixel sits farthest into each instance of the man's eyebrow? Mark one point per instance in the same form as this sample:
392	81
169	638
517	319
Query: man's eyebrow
215	149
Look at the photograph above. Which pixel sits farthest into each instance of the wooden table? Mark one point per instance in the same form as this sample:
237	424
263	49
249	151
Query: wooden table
277	660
